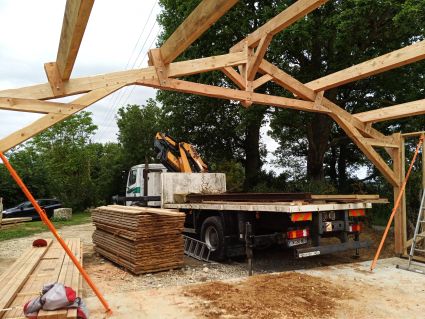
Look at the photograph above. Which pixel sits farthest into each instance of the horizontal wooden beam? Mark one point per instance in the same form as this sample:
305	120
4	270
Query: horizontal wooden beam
50	119
36	106
86	84
76	17
395	59
393	112
280	22
196	66
230	94
380	143
204	15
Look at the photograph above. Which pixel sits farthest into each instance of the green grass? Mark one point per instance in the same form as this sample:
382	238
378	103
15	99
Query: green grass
31	228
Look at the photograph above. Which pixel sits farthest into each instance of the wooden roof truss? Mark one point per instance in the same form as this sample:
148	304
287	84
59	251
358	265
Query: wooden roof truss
241	65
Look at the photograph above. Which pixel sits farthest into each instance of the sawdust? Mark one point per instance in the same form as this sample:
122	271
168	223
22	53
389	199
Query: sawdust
287	295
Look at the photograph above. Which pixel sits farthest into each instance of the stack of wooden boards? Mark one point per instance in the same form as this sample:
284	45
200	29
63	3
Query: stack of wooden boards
7	222
37	266
141	239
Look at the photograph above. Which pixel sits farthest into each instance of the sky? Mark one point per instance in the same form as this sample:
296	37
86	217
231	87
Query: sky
117	37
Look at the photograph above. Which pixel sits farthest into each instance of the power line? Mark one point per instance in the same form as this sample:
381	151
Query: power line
119	95
112	112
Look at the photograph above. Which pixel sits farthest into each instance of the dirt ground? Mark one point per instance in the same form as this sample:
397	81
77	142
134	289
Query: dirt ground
329	286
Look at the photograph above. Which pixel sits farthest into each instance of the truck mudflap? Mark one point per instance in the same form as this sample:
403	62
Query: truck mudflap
329	249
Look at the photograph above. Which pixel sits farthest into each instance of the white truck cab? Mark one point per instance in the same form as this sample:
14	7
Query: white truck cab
136	182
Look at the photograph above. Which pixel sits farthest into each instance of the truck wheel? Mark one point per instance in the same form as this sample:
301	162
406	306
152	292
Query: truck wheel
212	233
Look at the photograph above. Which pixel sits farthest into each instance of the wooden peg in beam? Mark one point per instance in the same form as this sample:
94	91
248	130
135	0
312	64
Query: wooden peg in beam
155	59
318	100
54	77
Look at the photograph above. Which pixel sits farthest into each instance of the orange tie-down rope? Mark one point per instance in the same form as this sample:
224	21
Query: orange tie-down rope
397	204
52	228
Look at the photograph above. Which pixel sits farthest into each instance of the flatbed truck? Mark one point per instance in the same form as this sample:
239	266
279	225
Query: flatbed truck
233	224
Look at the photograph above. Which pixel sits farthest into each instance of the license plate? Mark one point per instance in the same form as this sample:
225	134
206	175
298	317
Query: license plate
296	242
309	254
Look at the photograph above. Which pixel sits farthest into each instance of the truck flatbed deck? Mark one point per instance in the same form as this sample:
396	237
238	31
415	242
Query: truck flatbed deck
283	207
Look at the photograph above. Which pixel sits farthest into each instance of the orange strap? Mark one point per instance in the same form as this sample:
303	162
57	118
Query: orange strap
52	228
397	204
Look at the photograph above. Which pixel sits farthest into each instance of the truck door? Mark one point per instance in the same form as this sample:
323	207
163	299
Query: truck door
133	185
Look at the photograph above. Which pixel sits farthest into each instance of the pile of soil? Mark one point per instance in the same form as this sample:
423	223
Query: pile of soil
287	295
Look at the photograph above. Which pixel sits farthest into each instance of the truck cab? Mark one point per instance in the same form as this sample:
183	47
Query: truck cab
144	181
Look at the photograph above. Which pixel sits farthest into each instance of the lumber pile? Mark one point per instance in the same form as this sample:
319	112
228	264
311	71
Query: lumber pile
141	239
38	266
15	220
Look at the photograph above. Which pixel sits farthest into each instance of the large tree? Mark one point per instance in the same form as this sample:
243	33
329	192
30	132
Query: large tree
222	130
333	37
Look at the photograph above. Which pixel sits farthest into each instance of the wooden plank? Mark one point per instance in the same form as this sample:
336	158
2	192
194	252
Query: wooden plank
54	77
204	15
349	196
234	76
368	150
15	277
395	59
280	22
254	62
123	78
226	93
261	80
380	143
76	17
393	112
293	85
35	106
48	120
15	220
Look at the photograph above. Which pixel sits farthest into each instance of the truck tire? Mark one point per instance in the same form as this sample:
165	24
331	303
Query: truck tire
212	233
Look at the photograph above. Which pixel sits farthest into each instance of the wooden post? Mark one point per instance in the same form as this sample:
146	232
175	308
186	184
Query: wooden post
400	217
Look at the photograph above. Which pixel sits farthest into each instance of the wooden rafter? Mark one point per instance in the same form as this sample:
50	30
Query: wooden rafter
204	15
367	149
395	59
354	128
231	94
280	22
36	106
254	61
235	77
293	85
76	17
393	112
86	84
50	119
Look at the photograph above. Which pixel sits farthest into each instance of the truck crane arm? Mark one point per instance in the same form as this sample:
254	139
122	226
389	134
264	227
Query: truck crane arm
178	156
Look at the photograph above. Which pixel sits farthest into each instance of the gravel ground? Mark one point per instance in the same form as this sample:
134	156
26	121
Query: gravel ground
112	278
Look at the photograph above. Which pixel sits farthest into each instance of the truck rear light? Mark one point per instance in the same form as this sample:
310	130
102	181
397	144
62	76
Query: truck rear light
300	217
356	212
300	233
355	228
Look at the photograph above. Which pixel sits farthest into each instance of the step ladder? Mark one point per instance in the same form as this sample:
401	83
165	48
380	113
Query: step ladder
196	249
418	236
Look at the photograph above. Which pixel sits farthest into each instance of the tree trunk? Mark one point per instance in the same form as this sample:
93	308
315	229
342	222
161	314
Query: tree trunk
318	133
252	151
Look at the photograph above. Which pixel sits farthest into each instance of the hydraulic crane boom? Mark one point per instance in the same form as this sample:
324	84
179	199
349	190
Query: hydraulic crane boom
178	156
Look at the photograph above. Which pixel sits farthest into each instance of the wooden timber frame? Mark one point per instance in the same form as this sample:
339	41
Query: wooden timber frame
244	65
